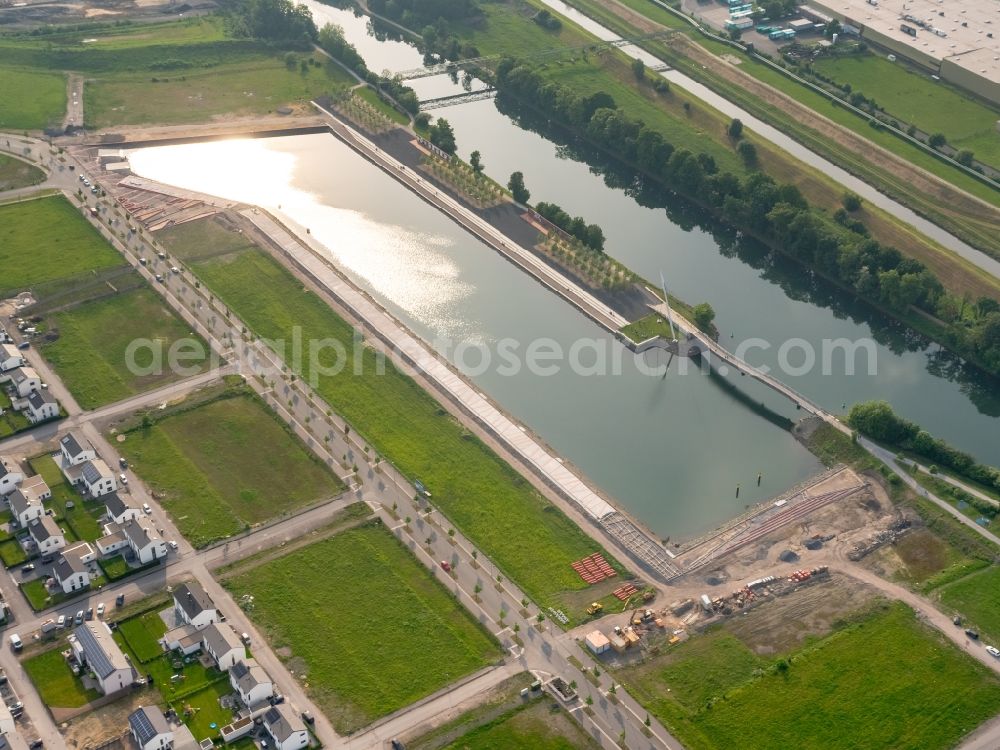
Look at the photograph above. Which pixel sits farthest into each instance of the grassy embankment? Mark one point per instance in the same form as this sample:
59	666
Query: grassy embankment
224	465
373	598
531	541
973	225
176	72
15	173
916	690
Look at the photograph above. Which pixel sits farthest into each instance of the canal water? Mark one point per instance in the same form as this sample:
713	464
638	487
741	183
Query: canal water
761	300
669	449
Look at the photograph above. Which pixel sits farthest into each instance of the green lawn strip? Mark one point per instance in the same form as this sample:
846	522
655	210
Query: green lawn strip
12	553
977	598
46	240
646	328
30	99
15	173
56	684
424	639
226	465
190	675
529	538
886	681
142	633
198	240
112	348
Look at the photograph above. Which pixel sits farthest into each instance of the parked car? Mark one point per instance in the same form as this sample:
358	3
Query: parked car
78	620
993	651
35	744
24	345
972	634
123	478
90	614
122	463
28	568
146	509
446	566
15	642
159	277
173	545
246	639
61	621
308	717
120	600
100	609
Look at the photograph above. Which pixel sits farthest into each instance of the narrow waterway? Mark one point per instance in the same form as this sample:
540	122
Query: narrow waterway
671	450
761	300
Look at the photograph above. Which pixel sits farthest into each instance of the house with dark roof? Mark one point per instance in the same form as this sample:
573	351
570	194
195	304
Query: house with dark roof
40	406
71	571
250	680
10	475
25	381
221	643
47	535
194	606
96	650
144	542
285	727
24	509
150	729
97	478
118	509
74	452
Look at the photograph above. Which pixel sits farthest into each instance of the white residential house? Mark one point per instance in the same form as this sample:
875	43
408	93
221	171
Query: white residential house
94	647
10	475
221	643
97	478
250	680
25	381
118	509
10	357
145	543
150	729
184	638
47	535
285	727
71	571
41	405
194	606
74	452
24	509
113	540
35	488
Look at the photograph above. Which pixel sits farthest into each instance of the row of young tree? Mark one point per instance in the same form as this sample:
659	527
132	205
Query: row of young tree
776	213
877	420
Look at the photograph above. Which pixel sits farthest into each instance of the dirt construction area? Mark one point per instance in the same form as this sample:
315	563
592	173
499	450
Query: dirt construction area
15	15
106	723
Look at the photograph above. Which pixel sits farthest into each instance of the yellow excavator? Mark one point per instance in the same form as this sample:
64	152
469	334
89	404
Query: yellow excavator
595	609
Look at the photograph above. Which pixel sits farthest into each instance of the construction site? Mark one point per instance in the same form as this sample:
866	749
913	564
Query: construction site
807	552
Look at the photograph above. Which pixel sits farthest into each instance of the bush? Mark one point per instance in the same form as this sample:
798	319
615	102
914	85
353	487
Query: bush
851	201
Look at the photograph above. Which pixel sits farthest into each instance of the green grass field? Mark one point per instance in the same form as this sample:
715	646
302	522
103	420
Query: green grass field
15	173
534	726
370	634
92	354
369	95
531	540
977	598
47	240
55	682
886	681
933	106
251	87
225	466
31	99
175	72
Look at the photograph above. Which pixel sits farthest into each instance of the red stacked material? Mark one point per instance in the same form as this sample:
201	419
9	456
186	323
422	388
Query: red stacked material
594	569
624	592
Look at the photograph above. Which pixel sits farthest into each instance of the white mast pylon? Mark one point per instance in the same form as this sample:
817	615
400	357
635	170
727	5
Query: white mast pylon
670	314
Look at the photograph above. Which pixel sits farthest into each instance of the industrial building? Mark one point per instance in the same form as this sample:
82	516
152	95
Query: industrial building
958	41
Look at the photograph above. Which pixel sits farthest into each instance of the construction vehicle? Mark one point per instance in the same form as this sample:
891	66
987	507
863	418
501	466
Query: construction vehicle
648	595
595	609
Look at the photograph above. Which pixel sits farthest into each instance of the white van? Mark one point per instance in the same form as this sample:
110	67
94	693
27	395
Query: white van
15	642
